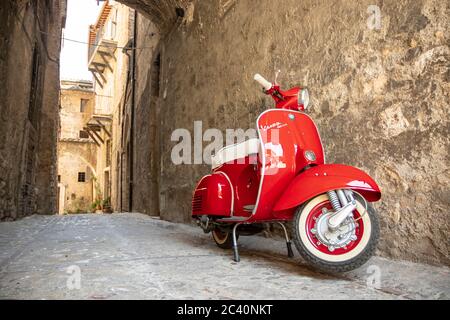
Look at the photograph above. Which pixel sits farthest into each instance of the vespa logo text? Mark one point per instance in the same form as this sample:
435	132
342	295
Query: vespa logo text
276	125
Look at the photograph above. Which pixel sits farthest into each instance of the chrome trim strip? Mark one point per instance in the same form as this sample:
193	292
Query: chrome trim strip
232	191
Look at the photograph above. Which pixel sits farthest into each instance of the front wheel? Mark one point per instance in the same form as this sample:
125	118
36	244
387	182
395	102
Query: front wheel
344	249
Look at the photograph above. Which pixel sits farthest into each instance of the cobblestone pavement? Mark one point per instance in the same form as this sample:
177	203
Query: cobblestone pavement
133	256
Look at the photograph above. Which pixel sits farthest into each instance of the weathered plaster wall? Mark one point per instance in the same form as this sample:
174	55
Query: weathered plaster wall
380	98
73	158
29	142
72	120
111	100
76	154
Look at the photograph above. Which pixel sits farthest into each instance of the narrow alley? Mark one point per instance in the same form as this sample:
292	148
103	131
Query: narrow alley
146	147
133	256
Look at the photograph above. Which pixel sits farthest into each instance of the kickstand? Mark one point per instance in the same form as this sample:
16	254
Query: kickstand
288	241
235	245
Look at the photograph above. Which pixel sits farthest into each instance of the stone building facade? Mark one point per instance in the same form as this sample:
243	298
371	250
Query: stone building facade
110	63
30	40
380	96
77	151
124	80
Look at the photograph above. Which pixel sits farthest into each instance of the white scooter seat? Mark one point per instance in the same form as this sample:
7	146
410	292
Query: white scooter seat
235	151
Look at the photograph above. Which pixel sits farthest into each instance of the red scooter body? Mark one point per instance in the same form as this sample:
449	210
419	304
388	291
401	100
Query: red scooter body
276	184
287	171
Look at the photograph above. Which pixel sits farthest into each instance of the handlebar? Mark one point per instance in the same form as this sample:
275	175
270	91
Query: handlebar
260	79
292	99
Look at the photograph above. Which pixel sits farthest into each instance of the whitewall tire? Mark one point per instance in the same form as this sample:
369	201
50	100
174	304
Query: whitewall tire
345	258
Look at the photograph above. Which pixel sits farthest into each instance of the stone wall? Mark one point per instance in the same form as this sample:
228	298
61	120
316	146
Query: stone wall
30	34
380	99
147	127
113	98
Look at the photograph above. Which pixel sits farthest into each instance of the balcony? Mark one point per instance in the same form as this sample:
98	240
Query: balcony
101	52
95	125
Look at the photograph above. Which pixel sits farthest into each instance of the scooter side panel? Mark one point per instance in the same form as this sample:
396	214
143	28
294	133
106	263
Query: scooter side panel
243	174
323	178
213	196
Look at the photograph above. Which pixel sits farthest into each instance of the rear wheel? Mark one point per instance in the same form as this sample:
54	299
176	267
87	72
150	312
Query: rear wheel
223	239
344	249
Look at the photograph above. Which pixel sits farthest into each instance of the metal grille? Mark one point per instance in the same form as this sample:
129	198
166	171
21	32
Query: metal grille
197	203
81	176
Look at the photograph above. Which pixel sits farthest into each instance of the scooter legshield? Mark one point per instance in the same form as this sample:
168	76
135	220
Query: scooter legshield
213	196
326	177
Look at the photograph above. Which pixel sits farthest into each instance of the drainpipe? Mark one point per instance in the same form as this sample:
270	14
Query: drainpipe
133	106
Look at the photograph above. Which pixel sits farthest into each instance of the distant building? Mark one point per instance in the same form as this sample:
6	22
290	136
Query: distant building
109	61
127	87
77	151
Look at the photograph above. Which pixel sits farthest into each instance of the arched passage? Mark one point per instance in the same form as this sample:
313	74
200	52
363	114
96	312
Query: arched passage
77	178
162	13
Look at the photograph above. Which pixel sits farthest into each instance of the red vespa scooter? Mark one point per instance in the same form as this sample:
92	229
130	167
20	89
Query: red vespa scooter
282	177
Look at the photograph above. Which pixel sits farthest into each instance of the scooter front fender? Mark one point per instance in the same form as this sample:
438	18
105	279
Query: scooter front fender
326	177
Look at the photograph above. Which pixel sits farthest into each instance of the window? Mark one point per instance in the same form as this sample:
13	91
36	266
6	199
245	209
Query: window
108	153
59	178
81	176
84	134
83	105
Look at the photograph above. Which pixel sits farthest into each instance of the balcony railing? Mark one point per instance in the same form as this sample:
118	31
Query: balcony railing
101	50
93	46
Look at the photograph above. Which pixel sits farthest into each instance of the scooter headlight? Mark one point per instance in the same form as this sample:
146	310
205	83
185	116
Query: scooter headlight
303	98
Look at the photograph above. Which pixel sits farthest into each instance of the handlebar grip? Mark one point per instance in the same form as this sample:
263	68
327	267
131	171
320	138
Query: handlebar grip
260	79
